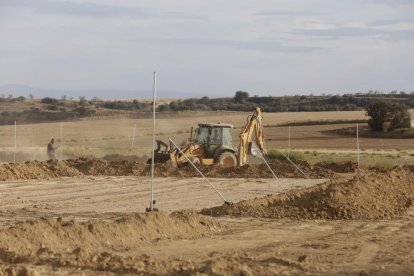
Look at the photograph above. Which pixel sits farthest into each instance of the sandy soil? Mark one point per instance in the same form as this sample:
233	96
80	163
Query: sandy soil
94	225
93	196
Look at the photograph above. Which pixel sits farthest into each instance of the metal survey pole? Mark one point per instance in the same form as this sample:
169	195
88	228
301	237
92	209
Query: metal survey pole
205	178
357	134
15	142
153	141
287	158
270	169
61	141
133	139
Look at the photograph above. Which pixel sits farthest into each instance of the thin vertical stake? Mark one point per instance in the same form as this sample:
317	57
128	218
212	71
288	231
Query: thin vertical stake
357	132
133	139
61	141
15	141
153	141
289	144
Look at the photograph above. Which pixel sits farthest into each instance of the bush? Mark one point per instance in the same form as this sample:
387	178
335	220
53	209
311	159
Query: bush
241	96
387	116
52	107
48	100
84	111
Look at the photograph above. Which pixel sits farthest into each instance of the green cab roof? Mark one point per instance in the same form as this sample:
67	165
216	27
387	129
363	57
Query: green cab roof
215	125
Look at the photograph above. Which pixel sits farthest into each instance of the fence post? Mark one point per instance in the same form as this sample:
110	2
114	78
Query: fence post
61	141
289	144
15	142
357	136
133	140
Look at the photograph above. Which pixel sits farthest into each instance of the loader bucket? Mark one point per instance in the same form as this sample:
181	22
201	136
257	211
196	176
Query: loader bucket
159	157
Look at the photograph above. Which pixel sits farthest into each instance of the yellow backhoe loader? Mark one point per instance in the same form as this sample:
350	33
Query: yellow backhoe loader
213	144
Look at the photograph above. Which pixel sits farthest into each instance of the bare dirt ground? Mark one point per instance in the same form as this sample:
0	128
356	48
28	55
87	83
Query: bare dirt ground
84	217
97	196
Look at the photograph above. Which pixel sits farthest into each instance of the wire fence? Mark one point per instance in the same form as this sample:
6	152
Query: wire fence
132	137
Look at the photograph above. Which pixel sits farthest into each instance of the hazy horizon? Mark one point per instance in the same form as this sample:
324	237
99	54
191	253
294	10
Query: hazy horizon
212	48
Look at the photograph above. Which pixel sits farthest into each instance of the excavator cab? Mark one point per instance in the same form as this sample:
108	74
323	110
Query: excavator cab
215	140
214	134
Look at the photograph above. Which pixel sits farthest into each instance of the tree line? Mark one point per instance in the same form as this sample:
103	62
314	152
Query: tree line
50	109
242	101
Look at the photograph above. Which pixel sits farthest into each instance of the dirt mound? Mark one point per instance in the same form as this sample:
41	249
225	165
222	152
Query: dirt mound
93	244
281	169
93	166
34	237
121	157
37	170
79	259
410	167
89	166
344	167
372	195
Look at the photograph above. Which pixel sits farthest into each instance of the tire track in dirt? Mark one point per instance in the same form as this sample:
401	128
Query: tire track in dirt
368	252
120	194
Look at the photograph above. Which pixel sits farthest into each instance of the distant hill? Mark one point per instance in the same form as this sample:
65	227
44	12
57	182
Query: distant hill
25	91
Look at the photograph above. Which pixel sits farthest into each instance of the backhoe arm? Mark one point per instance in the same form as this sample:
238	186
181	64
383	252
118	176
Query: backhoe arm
254	126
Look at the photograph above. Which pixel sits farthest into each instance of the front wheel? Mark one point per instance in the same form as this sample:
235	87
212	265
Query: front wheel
226	159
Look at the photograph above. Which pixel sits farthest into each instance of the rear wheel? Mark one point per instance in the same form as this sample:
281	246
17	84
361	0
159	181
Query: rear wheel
226	159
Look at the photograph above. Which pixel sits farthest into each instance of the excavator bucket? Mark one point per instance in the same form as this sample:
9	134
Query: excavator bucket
161	155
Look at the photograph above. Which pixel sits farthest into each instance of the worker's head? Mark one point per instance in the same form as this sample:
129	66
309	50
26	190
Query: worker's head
52	141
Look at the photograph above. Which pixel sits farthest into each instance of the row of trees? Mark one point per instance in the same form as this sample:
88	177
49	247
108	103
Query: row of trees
386	111
243	102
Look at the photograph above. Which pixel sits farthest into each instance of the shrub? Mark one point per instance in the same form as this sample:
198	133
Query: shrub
52	107
48	100
387	116
241	96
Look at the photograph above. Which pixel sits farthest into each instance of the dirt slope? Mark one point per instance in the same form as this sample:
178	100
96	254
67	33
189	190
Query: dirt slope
88	166
84	244
37	170
373	195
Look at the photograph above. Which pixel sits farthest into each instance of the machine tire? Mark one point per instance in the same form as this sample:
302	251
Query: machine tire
226	159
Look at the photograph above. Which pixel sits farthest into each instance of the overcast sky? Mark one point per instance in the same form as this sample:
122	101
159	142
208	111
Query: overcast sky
210	47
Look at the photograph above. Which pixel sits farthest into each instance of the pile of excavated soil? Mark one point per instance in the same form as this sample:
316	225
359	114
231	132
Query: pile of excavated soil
410	167
35	237
280	168
37	170
88	166
120	157
341	167
99	245
372	195
92	166
79	260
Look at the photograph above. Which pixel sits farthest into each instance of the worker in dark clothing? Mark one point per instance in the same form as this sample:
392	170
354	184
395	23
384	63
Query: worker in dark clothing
51	149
